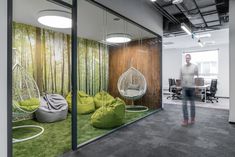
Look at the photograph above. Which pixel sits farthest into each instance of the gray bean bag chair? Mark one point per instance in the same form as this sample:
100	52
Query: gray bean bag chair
53	107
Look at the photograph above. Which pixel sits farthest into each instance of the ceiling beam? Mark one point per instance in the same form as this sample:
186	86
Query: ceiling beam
166	14
206	6
200	13
61	3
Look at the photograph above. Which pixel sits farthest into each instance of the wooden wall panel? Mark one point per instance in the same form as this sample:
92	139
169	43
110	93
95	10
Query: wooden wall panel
146	58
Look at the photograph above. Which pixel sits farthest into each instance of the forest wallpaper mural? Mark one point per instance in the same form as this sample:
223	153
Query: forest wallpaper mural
46	55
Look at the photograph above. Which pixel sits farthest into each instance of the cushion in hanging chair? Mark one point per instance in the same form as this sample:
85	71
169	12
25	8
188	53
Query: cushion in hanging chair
109	115
102	98
85	103
29	105
53	107
133	86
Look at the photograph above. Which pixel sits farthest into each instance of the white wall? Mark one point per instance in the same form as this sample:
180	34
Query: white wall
172	62
140	11
3	78
232	59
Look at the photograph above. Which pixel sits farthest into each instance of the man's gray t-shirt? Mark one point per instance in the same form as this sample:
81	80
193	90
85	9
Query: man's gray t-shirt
187	75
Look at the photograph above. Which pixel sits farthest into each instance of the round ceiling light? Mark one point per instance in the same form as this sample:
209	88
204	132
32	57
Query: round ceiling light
55	18
118	38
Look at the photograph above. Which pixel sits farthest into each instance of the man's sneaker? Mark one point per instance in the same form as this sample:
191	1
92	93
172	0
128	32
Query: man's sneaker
184	123
192	121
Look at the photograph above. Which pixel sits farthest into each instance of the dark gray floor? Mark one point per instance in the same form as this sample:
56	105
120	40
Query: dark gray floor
161	135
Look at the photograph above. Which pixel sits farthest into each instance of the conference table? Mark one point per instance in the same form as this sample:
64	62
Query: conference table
203	89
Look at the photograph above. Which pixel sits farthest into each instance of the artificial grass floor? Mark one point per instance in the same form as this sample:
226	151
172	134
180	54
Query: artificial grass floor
56	138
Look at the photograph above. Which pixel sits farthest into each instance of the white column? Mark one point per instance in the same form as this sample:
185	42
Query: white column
232	59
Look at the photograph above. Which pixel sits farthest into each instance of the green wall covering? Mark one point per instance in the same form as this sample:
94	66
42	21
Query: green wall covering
45	54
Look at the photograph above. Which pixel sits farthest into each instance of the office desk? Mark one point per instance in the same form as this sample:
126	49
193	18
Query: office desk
203	88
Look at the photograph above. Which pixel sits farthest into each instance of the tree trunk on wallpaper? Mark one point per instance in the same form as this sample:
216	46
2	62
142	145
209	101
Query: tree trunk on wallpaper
86	68
69	58
51	68
104	72
31	49
99	70
22	50
79	64
62	70
54	56
39	72
44	60
92	71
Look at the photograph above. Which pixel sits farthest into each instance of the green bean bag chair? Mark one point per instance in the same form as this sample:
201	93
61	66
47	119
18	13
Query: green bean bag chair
29	105
102	98
85	103
109	115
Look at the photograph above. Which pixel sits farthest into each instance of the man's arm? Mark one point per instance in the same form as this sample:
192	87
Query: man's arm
196	71
181	75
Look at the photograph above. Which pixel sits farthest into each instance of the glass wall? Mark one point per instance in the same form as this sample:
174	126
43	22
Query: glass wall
118	76
41	80
121	72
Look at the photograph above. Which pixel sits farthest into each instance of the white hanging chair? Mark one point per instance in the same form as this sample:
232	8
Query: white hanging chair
132	85
26	98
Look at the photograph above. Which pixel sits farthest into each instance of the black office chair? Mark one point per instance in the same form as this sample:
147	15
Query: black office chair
210	94
175	92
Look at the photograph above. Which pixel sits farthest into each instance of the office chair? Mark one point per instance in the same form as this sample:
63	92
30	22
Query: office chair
210	94
175	92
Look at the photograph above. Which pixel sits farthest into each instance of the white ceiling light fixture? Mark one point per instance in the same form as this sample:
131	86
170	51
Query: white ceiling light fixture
118	38
186	28
206	35
177	1
153	0
55	18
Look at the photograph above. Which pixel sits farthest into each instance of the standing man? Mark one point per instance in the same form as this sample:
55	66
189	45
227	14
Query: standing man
187	74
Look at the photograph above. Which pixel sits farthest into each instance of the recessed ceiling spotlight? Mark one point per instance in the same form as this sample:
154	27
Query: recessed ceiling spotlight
116	19
55	18
118	38
177	1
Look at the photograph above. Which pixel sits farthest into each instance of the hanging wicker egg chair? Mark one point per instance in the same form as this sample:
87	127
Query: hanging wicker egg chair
132	85
26	99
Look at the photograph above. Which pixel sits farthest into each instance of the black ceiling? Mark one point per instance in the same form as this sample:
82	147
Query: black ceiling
199	15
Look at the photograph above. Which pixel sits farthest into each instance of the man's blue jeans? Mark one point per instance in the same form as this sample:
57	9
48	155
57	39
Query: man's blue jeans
188	95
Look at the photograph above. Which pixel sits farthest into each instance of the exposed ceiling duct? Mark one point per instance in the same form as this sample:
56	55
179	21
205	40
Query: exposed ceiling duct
199	15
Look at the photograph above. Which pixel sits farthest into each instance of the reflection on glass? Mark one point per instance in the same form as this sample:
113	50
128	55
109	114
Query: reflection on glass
41	80
126	54
108	47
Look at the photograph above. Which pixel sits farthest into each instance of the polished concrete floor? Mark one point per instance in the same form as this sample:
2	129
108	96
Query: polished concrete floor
161	135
